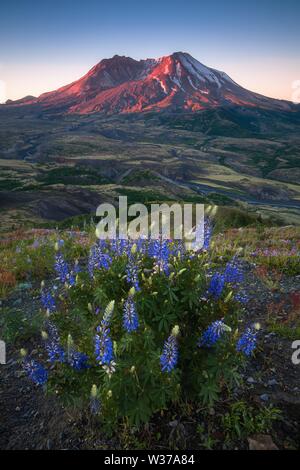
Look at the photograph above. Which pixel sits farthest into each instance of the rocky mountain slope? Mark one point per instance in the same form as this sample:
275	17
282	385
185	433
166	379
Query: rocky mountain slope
176	82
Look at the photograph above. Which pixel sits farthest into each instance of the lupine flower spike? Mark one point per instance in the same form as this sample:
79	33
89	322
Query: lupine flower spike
103	343
169	357
213	333
247	342
130	318
216	285
36	372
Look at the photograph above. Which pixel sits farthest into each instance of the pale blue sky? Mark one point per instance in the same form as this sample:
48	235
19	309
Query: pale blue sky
48	44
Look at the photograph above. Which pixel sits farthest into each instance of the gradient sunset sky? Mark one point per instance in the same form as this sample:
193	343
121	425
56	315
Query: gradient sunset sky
47	44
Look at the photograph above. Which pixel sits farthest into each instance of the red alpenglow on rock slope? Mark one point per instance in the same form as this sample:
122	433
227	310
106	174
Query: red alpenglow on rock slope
175	82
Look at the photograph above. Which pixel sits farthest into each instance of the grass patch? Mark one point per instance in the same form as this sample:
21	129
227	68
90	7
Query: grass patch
285	331
75	175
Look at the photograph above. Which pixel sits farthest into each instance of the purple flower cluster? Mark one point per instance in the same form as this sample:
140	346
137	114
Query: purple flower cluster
78	360
103	343
119	246
247	342
130	317
160	251
233	273
169	357
48	301
63	271
36	372
212	334
216	286
208	229
242	297
132	273
54	350
98	257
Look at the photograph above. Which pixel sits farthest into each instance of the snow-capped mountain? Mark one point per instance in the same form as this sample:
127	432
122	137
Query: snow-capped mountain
176	82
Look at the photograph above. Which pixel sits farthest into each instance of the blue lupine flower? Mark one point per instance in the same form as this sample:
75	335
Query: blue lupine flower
48	301
120	246
130	318
233	273
141	245
178	248
242	297
78	360
213	333
169	357
36	372
160	251
164	257
208	229
216	285
153	248
62	268
98	258
247	342
103	345
132	273
54	350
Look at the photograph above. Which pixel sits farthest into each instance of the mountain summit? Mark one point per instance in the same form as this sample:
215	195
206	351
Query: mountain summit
175	82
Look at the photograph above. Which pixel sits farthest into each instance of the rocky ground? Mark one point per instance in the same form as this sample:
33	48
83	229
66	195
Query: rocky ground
31	420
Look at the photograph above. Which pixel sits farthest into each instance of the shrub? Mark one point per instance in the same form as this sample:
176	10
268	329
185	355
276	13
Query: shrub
144	325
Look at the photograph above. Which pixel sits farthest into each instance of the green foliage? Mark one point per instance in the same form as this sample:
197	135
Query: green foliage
243	420
36	262
285	330
17	325
75	175
228	217
10	184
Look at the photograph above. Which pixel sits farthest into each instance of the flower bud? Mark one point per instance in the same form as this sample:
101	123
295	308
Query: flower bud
94	391
175	330
132	291
23	352
70	341
44	335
